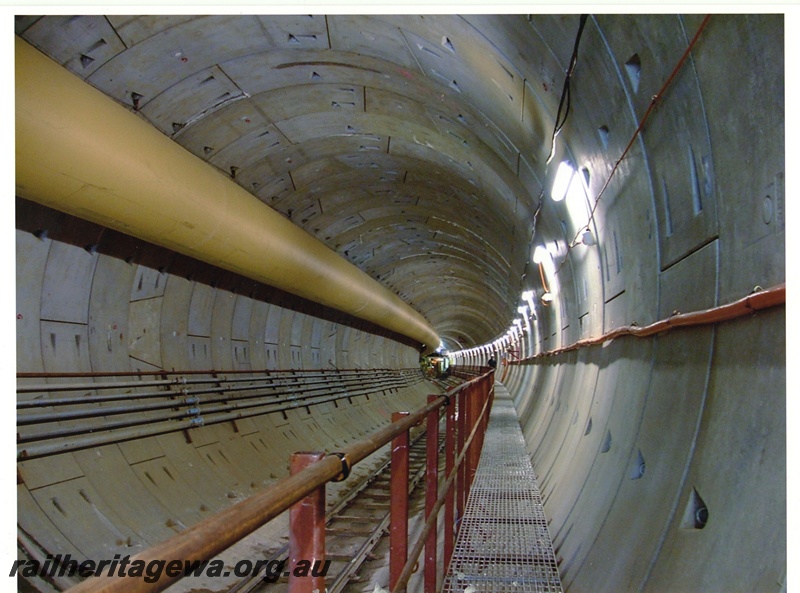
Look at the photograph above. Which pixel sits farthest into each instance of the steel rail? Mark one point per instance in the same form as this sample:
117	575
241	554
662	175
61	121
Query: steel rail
128	396
327	387
116	432
208	538
371	541
142	427
215	376
254	581
189	399
49	387
205	540
162	372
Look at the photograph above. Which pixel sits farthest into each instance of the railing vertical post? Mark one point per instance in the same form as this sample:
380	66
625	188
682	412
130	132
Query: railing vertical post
472	421
460	439
480	400
431	493
449	462
307	530
483	398
398	488
489	388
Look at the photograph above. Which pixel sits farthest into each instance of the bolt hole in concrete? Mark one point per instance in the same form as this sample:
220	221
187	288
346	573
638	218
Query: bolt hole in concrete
603	132
634	68
606	443
695	515
638	467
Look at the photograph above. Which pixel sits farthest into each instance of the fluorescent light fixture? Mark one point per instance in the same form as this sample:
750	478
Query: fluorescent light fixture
527	296
523	310
564	176
540	254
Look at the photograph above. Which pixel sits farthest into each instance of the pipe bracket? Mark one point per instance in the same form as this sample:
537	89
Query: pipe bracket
346	465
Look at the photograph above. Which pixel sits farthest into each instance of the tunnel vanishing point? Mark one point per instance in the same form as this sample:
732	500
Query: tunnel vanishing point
223	195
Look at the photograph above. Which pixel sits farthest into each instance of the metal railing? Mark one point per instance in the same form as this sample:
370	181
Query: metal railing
465	427
64	412
466	410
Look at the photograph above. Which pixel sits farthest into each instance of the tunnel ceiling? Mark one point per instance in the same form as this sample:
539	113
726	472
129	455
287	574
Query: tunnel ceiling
413	146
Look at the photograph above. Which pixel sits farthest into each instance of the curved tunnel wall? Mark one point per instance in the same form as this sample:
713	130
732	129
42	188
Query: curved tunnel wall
631	439
83	311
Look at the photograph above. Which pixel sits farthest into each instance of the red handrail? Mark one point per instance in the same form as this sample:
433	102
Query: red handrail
757	301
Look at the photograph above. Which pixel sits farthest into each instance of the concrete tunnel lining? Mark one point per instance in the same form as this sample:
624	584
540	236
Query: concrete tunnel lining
141	183
683	226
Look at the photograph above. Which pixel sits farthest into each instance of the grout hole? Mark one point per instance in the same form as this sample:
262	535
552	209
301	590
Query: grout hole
606	443
617	254
695	516
603	132
634	69
667	211
58	506
637	471
697	200
136	99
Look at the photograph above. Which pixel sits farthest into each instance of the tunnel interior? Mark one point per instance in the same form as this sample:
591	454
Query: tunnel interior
228	193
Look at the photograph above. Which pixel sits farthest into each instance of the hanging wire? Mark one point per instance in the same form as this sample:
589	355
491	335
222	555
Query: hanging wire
564	103
653	100
533	235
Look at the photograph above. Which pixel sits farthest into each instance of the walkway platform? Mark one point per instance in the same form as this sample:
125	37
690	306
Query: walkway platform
503	542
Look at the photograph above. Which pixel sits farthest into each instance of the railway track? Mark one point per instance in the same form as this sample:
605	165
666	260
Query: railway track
353	529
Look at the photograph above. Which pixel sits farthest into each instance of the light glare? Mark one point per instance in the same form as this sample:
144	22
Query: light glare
563	178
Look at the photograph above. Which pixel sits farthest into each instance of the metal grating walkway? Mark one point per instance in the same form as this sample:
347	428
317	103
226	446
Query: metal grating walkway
503	543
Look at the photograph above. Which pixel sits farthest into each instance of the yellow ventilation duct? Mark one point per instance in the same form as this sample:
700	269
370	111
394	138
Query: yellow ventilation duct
80	152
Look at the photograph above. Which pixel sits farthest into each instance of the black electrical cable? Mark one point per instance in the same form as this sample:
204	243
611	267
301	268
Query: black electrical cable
533	234
564	102
654	99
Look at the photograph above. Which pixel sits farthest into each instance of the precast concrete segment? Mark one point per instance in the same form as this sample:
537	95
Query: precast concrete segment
79	152
503	541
